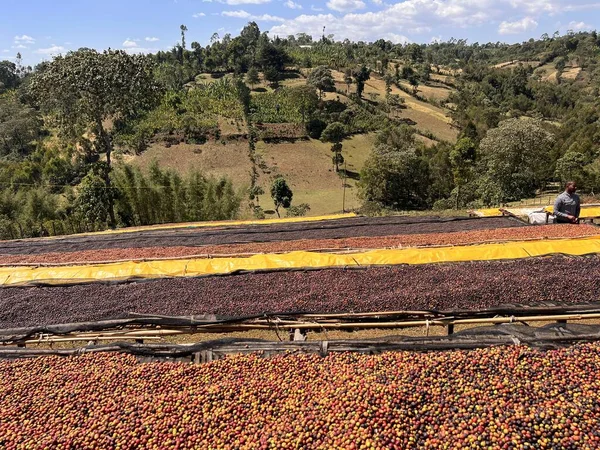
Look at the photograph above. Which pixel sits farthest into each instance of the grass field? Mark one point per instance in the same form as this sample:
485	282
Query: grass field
212	158
307	167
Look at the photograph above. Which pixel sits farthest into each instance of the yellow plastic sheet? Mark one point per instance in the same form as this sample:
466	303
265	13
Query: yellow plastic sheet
488	212
13	276
587	212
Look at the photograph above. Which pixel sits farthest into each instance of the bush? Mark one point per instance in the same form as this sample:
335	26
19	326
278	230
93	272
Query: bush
315	128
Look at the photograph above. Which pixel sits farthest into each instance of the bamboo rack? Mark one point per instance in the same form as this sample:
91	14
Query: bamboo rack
157	332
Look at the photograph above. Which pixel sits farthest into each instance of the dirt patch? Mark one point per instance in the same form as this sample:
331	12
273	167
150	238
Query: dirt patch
213	158
571	73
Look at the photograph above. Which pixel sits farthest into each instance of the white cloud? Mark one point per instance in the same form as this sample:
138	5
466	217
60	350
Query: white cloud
244	2
395	21
6	50
436	39
152	39
579	26
519	26
51	51
345	5
19	46
293	5
241	14
129	43
197	15
581	7
377	2
314	8
24	39
536	6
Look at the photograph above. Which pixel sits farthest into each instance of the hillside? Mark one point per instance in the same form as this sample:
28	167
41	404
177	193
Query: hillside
203	134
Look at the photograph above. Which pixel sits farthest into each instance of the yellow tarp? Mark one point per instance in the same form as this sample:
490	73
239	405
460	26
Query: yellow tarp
489	212
587	212
11	276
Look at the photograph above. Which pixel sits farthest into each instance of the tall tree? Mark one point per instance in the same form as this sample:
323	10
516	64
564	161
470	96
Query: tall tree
361	75
335	133
252	77
321	79
84	91
183	29
281	194
514	160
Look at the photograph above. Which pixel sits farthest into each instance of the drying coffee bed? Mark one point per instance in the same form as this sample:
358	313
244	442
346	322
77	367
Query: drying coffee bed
471	285
333	229
500	397
412	240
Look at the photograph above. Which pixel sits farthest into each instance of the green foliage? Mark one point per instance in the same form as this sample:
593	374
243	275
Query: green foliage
315	128
571	167
361	75
298	211
335	132
281	194
394	175
514	160
93	201
286	105
395	179
321	79
163	196
86	88
252	76
20	127
9	78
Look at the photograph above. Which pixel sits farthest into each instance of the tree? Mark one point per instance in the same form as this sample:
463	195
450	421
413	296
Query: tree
361	75
20	126
321	79
306	98
281	194
348	79
8	75
570	167
272	75
183	29
335	133
85	89
94	199
514	160
389	80
252	77
462	159
396	179
414	82
394	175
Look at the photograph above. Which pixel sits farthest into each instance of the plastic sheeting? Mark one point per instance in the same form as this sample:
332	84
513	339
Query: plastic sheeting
15	276
488	212
587	212
216	224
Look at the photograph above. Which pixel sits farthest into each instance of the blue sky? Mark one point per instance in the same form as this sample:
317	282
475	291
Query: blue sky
39	29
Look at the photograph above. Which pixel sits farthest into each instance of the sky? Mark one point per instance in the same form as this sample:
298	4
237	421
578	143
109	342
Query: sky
39	29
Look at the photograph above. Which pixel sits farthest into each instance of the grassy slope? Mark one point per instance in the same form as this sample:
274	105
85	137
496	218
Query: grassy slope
306	164
308	168
428	118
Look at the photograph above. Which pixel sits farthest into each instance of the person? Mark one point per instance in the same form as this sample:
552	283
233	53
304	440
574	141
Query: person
567	205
